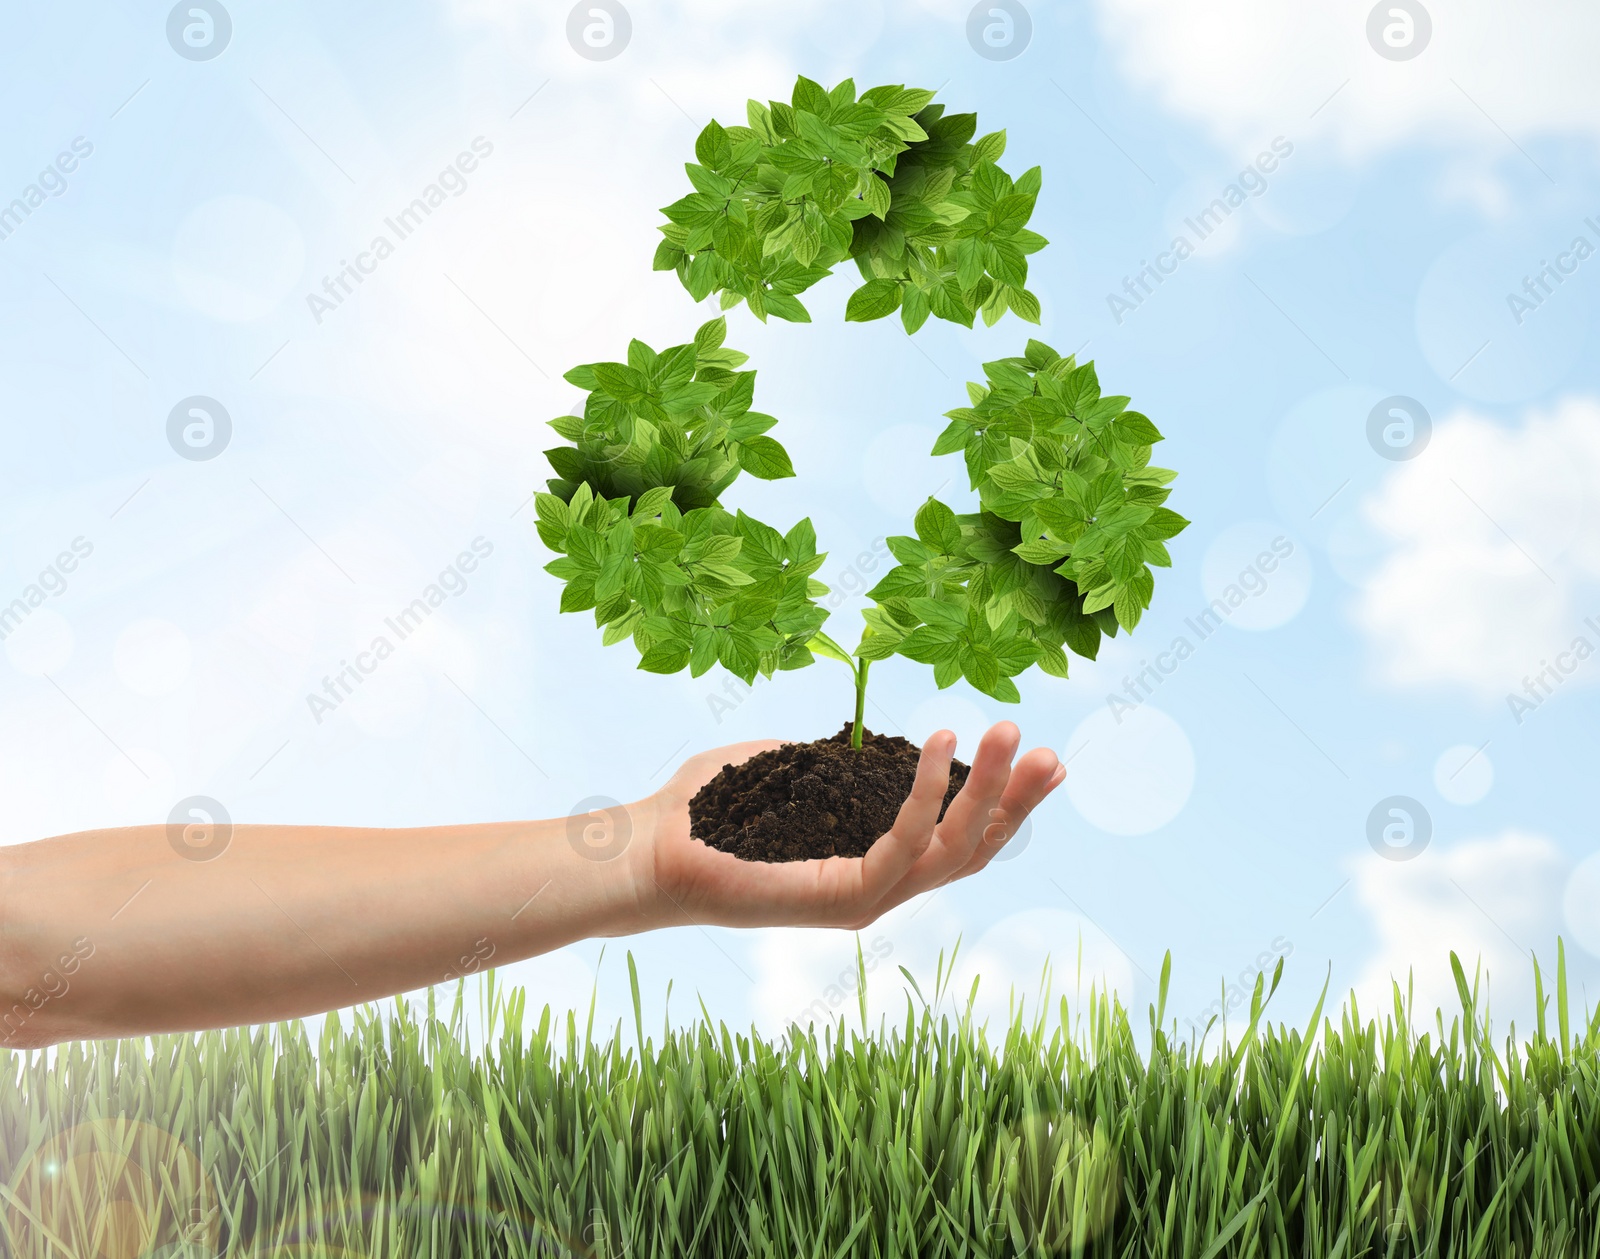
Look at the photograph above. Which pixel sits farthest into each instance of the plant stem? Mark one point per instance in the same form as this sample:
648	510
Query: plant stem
822	645
861	701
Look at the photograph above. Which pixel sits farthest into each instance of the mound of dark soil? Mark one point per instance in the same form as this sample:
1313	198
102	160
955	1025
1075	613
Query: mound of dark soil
806	801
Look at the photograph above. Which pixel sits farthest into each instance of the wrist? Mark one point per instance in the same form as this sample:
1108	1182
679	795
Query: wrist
614	849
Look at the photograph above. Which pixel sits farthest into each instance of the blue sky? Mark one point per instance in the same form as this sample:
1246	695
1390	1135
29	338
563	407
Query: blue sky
1224	816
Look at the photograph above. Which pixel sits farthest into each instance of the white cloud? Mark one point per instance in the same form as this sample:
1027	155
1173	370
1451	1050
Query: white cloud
1248	68
1581	904
1487	900
152	656
1495	545
41	644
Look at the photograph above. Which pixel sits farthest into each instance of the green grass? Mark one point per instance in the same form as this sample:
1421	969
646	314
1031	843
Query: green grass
924	1138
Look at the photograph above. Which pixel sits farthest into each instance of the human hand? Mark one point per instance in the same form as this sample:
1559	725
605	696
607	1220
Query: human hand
679	879
385	911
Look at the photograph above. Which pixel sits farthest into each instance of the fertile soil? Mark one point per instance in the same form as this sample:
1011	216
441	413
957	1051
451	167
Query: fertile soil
806	801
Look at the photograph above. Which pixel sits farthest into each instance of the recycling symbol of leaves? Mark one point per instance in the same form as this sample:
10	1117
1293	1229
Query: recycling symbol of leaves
1071	517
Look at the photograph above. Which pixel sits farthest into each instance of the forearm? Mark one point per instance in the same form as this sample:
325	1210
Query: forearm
287	921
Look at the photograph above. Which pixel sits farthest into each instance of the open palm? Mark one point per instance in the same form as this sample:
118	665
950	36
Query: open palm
694	883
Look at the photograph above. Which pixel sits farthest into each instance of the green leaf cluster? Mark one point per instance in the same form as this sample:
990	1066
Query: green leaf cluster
680	418
887	178
1071	522
642	539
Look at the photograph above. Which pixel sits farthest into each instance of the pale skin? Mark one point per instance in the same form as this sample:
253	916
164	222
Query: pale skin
116	933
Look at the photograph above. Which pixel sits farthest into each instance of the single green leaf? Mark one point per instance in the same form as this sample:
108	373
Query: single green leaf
930	645
710	335
763	457
936	525
873	300
1024	303
623	382
1051	659
786	307
875	193
915	310
664	658
989	148
668	257
712	147
940	614
1164	523
953	438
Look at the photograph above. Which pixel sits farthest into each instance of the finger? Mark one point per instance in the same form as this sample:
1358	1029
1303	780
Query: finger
962	825
1036	775
888	860
961	828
